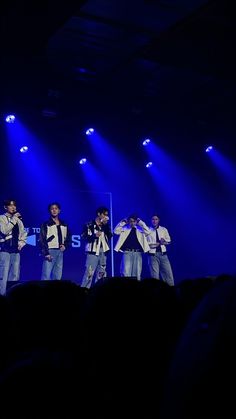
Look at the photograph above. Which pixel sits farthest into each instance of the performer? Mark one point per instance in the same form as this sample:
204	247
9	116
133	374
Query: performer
158	260
12	239
97	234
54	239
132	242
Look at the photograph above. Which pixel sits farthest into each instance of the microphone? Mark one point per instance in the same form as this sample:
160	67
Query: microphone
106	218
18	215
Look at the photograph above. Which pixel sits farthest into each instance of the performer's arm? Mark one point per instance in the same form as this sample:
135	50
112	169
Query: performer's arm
119	228
43	240
144	227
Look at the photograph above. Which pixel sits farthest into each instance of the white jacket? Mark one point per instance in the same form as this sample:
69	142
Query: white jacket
123	230
6	226
162	234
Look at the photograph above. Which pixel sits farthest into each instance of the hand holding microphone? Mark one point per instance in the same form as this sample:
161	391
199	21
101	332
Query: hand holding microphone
18	215
105	219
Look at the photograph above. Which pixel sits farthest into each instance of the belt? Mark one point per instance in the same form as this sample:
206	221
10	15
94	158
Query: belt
132	250
161	253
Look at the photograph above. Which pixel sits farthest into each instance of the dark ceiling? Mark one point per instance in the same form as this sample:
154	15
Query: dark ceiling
166	63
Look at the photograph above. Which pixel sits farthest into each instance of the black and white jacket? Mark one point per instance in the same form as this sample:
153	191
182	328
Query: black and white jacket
93	243
53	235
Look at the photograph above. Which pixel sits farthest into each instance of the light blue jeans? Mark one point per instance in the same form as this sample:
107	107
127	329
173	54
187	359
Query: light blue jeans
9	269
131	264
94	265
159	265
53	269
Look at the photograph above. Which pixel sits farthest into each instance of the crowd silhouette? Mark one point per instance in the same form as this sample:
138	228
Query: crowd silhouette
124	348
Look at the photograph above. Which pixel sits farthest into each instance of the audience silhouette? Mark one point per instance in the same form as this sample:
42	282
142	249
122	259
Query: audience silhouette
123	348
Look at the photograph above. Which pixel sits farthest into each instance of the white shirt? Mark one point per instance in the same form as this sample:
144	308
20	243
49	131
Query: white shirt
162	234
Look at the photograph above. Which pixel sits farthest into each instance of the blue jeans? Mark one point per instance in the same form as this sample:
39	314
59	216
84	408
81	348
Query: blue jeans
131	264
9	269
94	265
52	269
159	265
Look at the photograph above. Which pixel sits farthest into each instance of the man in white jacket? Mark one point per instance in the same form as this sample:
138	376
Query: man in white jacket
132	242
12	239
159	264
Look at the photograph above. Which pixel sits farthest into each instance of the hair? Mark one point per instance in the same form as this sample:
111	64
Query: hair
134	216
155	215
8	202
101	210
54	203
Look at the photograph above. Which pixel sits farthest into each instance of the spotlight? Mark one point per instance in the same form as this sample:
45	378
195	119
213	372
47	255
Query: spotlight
149	164
24	149
209	148
89	131
82	161
146	141
10	119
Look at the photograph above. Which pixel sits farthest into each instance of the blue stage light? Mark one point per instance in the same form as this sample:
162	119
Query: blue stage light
209	148
89	131
10	119
24	149
146	141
